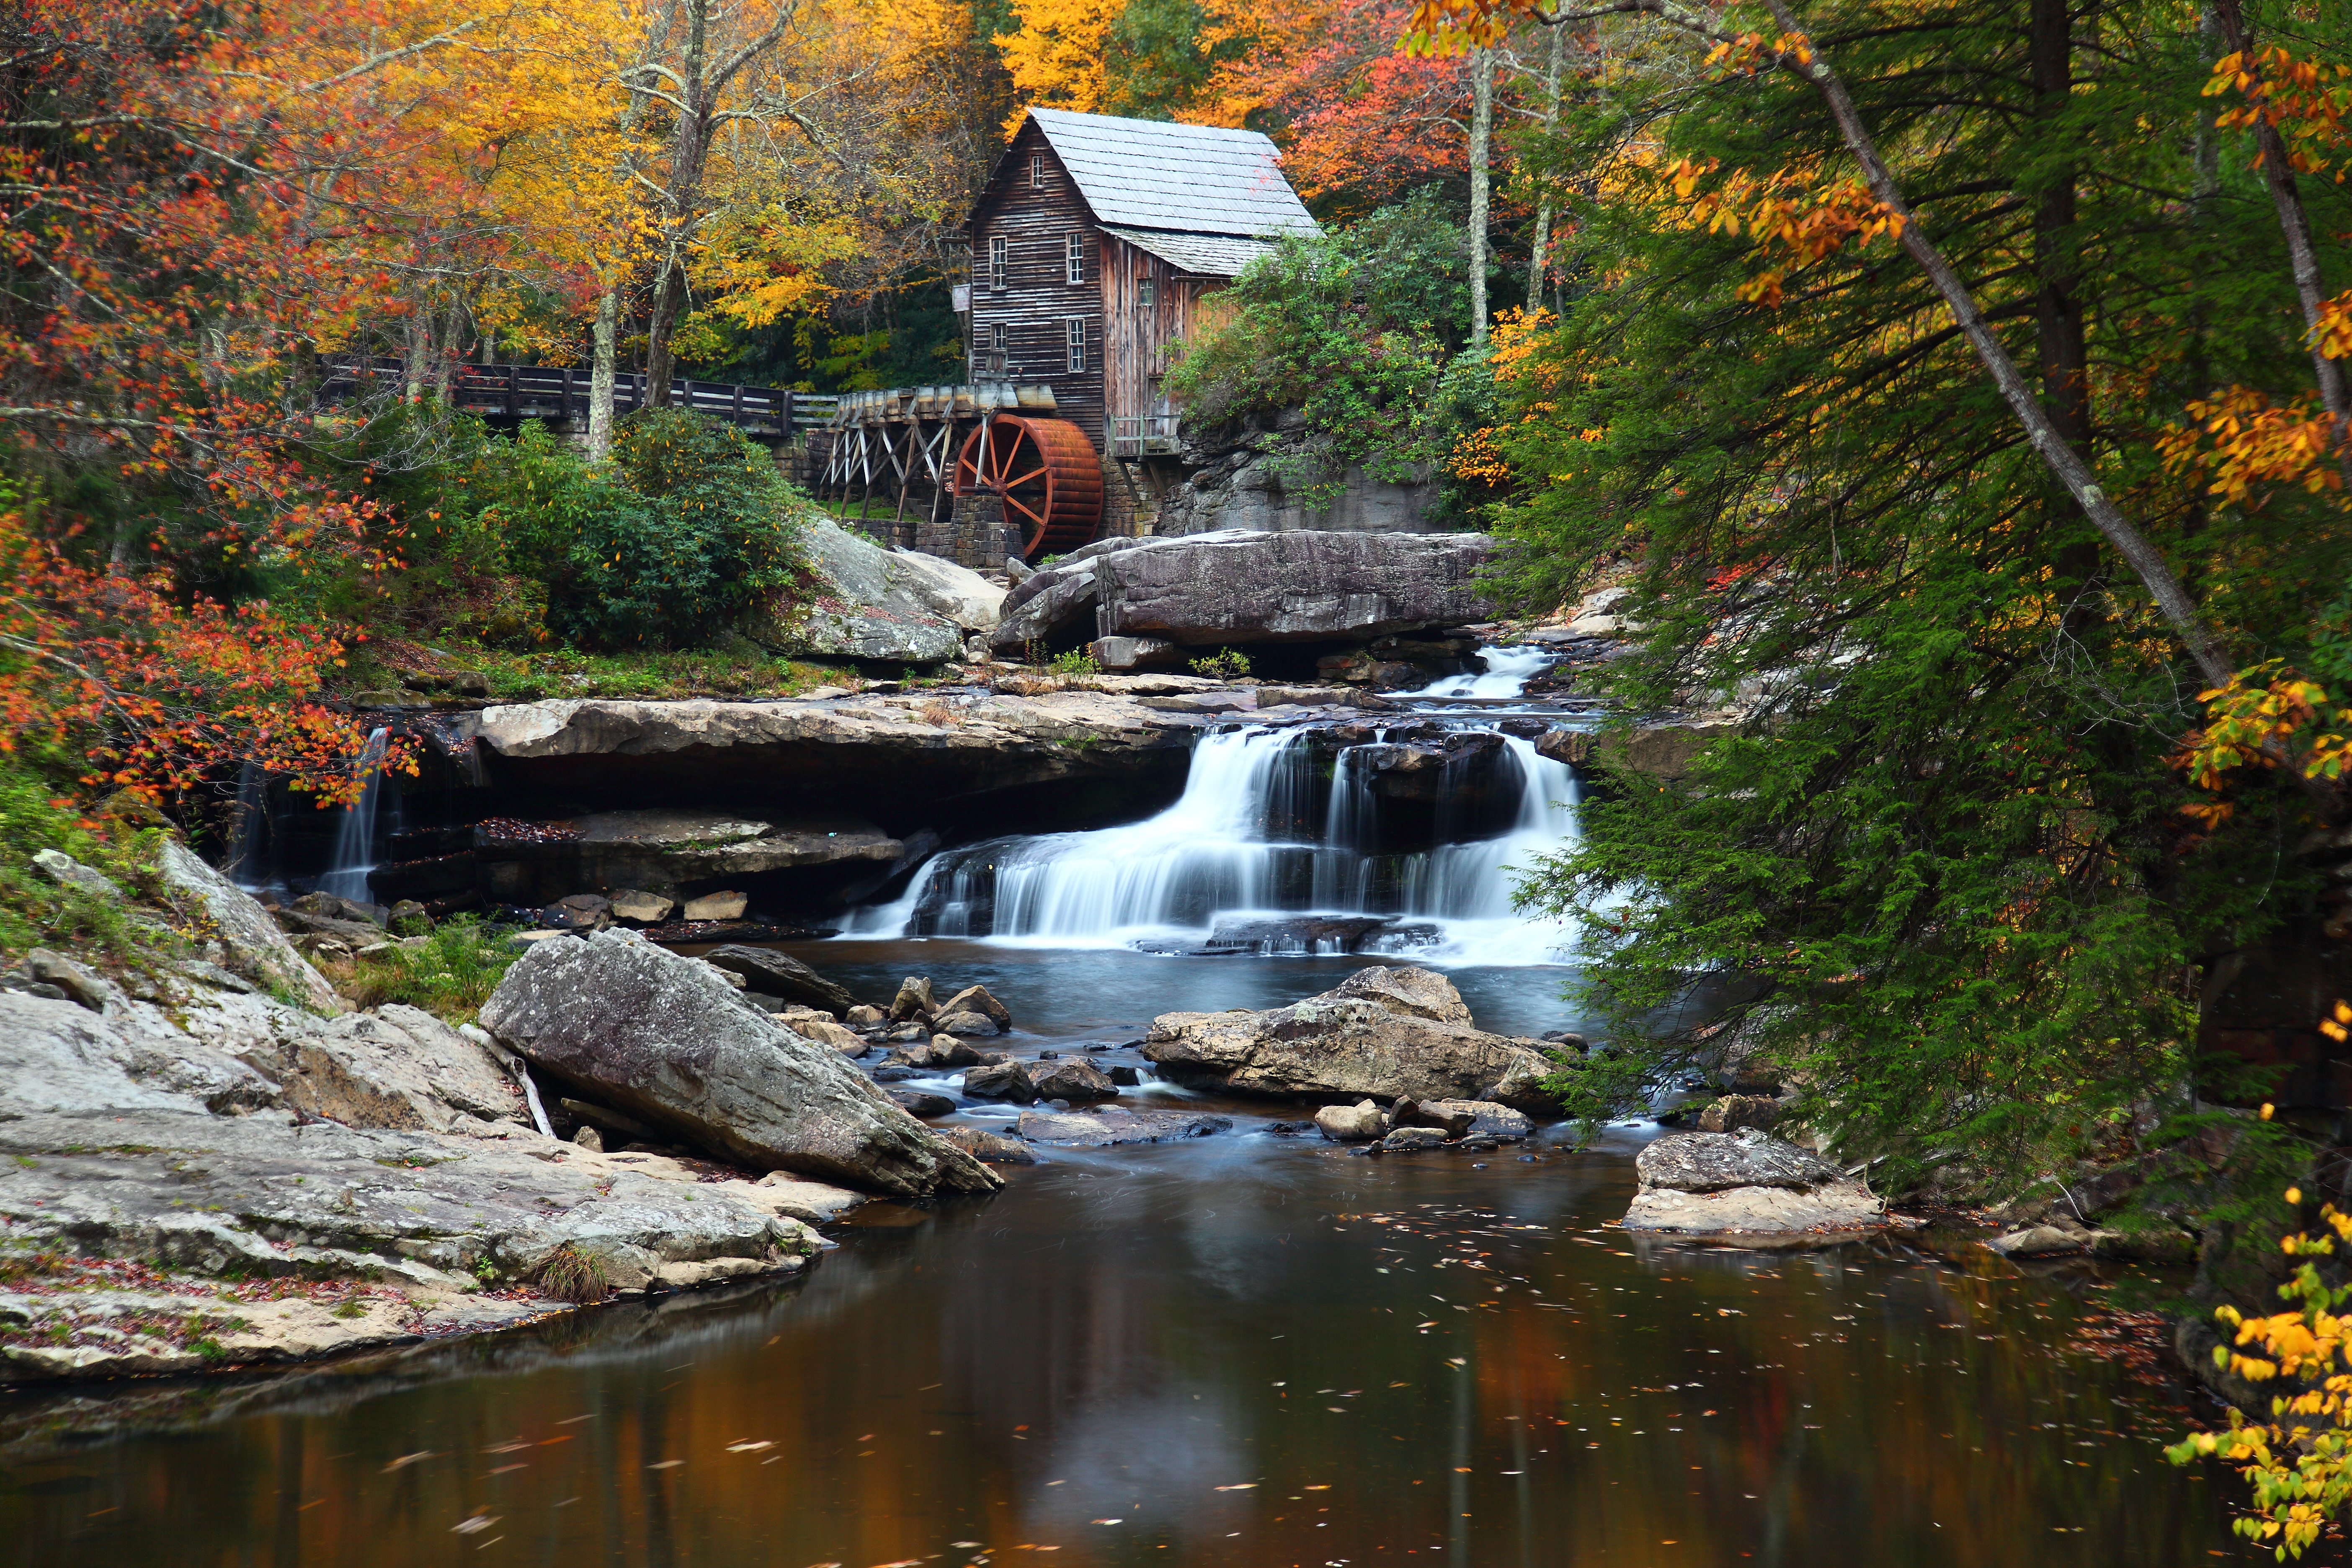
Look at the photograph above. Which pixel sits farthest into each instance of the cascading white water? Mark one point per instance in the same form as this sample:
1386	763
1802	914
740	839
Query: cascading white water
1508	671
247	863
347	874
1243	842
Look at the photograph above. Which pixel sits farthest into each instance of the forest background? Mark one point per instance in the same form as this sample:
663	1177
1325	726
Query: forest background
1956	388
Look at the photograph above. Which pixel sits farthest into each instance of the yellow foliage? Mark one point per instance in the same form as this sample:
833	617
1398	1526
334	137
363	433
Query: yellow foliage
1058	59
2239	440
2299	1462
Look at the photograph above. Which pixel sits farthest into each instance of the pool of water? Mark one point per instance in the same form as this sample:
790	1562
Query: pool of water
1248	1349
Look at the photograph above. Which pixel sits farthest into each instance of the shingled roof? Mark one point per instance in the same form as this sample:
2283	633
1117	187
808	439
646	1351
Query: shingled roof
1181	179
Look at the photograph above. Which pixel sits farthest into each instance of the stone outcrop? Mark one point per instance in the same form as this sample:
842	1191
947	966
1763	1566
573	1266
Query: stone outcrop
393	1067
250	942
665	848
846	753
780	974
1382	1033
1705	1184
1243	488
665	1039
1661	750
1240	587
151	1133
872	603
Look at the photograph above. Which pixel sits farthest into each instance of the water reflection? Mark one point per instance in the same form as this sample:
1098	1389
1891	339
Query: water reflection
1240	1351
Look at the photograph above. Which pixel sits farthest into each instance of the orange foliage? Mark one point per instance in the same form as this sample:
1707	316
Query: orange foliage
2239	439
1791	223
2305	100
162	693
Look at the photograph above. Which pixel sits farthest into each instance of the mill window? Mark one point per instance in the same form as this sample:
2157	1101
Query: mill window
1075	328
1036	171
1074	254
1146	290
998	249
996	337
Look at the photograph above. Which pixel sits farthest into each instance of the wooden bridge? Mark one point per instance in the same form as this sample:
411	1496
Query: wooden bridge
517	392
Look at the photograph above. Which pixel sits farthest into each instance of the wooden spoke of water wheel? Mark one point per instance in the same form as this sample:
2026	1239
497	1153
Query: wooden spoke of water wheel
1045	472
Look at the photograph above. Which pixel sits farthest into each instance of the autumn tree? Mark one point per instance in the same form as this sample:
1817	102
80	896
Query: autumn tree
1895	321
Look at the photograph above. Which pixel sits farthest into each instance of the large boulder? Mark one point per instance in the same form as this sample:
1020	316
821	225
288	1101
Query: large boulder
250	941
866	607
665	1039
1240	586
1716	1161
1057	605
397	1067
1105	1126
774	974
951	591
1745	1184
1359	1123
1382	1033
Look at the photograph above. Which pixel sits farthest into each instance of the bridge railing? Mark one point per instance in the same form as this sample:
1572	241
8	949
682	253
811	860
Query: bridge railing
561	392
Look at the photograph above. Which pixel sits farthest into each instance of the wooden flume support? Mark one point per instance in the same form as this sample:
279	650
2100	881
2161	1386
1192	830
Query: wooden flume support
905	444
1045	472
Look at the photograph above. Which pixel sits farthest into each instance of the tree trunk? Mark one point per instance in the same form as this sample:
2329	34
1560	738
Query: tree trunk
601	373
661	325
2146	561
1540	254
2278	174
414	352
1482	137
2059	335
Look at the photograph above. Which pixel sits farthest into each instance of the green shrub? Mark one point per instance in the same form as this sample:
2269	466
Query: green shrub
450	976
691	524
1076	663
35	815
1355	328
1225	664
571	1275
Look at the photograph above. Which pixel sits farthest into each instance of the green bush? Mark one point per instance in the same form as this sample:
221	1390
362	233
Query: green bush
1355	326
691	523
1225	664
37	913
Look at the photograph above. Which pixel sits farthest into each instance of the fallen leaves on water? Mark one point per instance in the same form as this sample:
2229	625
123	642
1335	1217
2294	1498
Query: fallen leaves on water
406	1460
747	1447
475	1525
666	1463
1238	1486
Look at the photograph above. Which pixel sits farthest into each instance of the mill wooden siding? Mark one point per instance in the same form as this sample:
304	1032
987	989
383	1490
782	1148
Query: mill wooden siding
1038	298
1142	339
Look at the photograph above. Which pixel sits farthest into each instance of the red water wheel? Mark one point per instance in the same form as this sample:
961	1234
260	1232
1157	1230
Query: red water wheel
1047	474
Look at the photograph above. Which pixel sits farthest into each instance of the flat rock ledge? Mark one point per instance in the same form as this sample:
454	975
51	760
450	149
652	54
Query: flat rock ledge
160	1241
1746	1189
194	1175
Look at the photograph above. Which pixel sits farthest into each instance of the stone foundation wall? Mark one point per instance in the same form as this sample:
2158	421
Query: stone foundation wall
974	534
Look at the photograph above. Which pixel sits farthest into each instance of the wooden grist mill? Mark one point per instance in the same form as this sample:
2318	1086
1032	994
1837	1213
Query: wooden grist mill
1045	474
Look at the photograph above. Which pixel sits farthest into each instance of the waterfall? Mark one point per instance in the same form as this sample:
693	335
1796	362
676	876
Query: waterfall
1246	839
1507	671
347	875
249	839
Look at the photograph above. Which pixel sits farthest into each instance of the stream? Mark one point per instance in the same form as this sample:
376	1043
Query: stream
1251	1349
